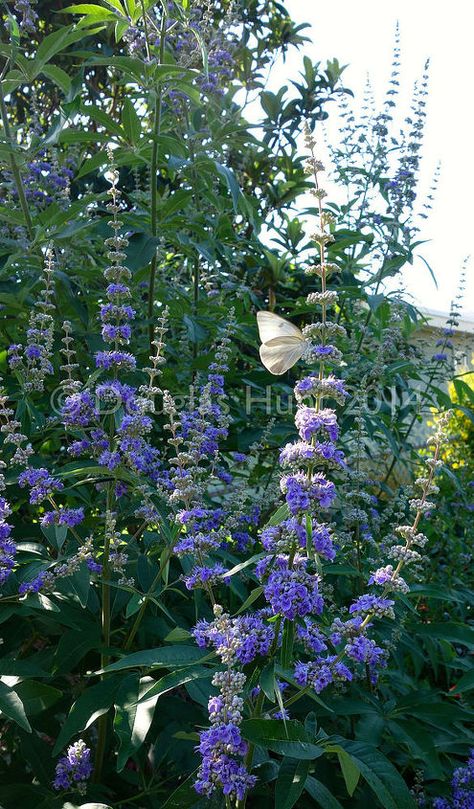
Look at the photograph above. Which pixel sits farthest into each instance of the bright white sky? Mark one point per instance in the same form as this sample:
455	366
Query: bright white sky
361	35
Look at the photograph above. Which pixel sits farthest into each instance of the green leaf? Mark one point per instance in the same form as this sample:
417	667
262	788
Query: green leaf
134	711
231	181
59	77
91	704
287	738
281	514
250	599
163	657
20	668
12	707
450	631
349	769
267	681
243	565
37	697
287	643
141	249
466	683
380	774
78	584
98	13
184	797
131	122
290	782
177	678
55	534
37	753
53	44
177	634
321	794
73	647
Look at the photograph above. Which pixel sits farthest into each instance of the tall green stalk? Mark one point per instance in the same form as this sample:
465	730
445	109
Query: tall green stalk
104	657
15	169
157	115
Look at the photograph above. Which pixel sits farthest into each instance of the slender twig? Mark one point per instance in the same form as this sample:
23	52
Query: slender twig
15	169
104	657
148	595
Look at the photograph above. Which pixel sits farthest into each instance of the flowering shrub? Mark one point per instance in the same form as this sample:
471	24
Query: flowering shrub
200	606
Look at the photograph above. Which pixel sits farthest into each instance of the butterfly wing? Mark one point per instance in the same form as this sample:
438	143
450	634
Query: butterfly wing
271	326
281	353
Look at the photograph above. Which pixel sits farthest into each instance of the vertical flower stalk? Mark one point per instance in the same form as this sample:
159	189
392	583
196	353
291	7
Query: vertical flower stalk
237	641
74	769
33	361
7	545
291	572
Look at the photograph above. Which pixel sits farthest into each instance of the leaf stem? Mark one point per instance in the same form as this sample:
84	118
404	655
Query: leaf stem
151	590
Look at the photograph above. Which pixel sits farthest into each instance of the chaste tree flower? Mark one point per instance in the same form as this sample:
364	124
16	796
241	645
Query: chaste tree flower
74	769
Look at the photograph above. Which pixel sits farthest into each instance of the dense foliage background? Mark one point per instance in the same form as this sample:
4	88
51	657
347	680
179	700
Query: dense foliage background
145	114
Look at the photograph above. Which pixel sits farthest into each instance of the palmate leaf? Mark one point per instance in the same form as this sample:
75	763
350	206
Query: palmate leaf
290	782
349	768
185	796
92	703
94	12
465	683
380	774
288	738
163	657
12	707
37	697
175	679
131	122
133	715
321	794
450	631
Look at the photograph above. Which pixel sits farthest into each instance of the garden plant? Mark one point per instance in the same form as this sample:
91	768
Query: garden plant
231	573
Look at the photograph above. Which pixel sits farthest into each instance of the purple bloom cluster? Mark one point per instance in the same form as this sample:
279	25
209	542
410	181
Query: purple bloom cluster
73	770
321	672
185	44
41	483
202	576
218	768
236	640
29	16
248	635
287	536
303	492
7	545
315	386
64	516
290	589
117	314
462	785
310	422
370	604
311	637
33	585
129	446
32	362
79	410
302	453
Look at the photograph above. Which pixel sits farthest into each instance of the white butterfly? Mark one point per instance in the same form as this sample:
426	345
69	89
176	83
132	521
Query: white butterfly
282	343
